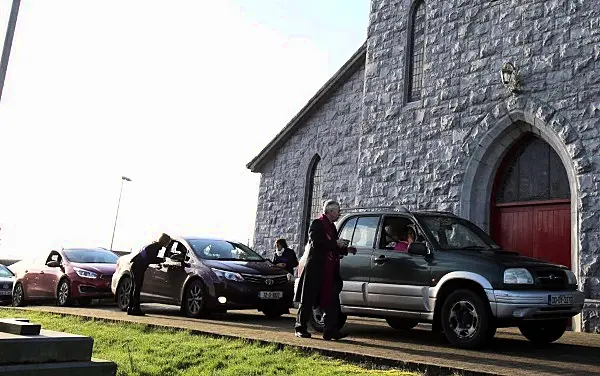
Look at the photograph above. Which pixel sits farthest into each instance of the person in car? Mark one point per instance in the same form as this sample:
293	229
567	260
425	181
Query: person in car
139	264
284	256
400	242
320	283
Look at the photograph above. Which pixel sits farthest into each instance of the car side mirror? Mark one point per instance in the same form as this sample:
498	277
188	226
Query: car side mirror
53	264
418	248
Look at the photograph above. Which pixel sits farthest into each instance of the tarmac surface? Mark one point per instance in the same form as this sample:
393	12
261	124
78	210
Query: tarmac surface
372	340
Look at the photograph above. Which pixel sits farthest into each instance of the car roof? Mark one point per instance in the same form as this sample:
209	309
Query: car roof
392	211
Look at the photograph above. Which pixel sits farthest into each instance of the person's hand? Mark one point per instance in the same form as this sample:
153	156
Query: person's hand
281	265
342	243
352	250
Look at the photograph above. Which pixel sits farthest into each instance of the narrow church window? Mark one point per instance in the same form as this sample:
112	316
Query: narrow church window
416	52
316	184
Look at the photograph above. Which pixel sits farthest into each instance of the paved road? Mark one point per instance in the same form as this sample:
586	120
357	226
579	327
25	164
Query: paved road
509	354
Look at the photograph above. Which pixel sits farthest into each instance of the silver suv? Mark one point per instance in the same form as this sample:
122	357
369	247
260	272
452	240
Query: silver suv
453	275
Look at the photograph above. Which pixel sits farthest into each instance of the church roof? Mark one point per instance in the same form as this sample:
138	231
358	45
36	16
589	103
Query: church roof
352	65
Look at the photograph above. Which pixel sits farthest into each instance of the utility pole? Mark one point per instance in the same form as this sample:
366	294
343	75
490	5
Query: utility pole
10	32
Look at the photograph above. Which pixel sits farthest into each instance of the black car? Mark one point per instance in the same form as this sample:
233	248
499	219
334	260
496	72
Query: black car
436	267
7	279
209	275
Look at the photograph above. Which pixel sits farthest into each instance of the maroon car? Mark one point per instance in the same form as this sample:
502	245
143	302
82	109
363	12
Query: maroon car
67	275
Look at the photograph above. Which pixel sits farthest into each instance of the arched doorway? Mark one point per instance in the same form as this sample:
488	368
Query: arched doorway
530	203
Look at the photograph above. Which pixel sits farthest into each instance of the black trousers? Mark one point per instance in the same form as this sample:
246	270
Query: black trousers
331	315
137	274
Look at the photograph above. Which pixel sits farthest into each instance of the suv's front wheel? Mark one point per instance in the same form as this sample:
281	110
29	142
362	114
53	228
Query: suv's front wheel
466	319
317	322
544	331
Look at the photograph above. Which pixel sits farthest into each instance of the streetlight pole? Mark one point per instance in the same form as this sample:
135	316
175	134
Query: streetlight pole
123	180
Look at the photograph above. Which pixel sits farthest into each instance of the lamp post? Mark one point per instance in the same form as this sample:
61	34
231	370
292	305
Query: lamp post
123	180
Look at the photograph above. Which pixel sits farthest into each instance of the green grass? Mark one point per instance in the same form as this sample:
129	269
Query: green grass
167	352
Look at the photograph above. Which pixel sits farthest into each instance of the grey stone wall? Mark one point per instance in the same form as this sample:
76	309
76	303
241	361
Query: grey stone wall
420	154
332	131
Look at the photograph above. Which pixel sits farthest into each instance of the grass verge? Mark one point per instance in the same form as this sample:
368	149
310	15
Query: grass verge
143	350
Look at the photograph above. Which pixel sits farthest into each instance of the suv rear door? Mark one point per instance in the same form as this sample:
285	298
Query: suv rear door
397	278
355	269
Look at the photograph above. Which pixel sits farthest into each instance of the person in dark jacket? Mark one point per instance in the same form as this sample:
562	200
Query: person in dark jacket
284	257
320	283
139	264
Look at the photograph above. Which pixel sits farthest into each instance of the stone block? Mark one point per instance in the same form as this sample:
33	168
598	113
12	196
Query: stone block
48	346
18	326
95	367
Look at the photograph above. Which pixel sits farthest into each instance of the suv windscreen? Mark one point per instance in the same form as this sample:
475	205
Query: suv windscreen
210	249
456	233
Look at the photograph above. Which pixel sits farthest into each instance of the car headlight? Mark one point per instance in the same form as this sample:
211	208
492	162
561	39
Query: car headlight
223	274
518	276
85	273
571	278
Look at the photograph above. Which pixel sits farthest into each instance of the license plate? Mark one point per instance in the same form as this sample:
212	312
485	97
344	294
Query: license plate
5	292
270	294
560	300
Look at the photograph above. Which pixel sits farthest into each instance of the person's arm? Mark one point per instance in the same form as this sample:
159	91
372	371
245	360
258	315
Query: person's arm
292	260
317	235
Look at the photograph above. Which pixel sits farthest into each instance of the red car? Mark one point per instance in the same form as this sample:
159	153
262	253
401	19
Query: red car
77	274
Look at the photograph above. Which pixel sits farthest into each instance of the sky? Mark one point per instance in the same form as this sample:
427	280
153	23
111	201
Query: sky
176	95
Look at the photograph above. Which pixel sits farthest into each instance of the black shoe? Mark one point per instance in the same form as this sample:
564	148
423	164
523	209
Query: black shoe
136	313
304	334
335	336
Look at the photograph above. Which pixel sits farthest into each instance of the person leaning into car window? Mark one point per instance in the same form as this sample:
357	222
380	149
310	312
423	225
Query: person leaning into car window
139	264
284	256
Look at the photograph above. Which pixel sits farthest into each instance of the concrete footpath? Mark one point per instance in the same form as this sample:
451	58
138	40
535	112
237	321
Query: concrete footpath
373	341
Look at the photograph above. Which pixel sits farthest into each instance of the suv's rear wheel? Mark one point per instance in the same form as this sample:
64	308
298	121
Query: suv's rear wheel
194	300
544	331
317	322
401	324
466	319
123	292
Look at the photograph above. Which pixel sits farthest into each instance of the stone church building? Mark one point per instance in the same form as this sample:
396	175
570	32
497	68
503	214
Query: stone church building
488	109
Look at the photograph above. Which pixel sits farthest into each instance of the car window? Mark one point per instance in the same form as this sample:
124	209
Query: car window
4	272
222	250
97	256
364	232
457	233
347	229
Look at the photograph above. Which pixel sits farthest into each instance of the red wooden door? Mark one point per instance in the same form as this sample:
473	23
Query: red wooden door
538	230
531	207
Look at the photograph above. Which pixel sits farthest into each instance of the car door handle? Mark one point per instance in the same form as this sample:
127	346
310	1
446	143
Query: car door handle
380	260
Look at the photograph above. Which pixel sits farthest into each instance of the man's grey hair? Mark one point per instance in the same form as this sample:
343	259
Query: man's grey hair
329	205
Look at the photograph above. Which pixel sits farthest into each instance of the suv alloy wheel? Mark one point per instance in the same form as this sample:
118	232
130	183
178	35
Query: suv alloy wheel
466	319
317	322
18	298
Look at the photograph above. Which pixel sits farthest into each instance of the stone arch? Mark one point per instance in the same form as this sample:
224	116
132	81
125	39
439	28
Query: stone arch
486	145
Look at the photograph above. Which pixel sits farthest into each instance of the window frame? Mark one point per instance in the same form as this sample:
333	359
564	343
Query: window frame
409	66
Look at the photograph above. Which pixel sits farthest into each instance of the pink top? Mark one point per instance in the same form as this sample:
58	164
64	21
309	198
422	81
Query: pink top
401	246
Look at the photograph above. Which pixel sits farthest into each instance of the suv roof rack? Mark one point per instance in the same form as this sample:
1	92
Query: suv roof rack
439	212
375	208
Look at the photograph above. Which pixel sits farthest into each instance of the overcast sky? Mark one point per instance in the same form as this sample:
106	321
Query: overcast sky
176	95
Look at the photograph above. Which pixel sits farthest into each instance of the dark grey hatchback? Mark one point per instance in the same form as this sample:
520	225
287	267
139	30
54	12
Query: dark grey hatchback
209	275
